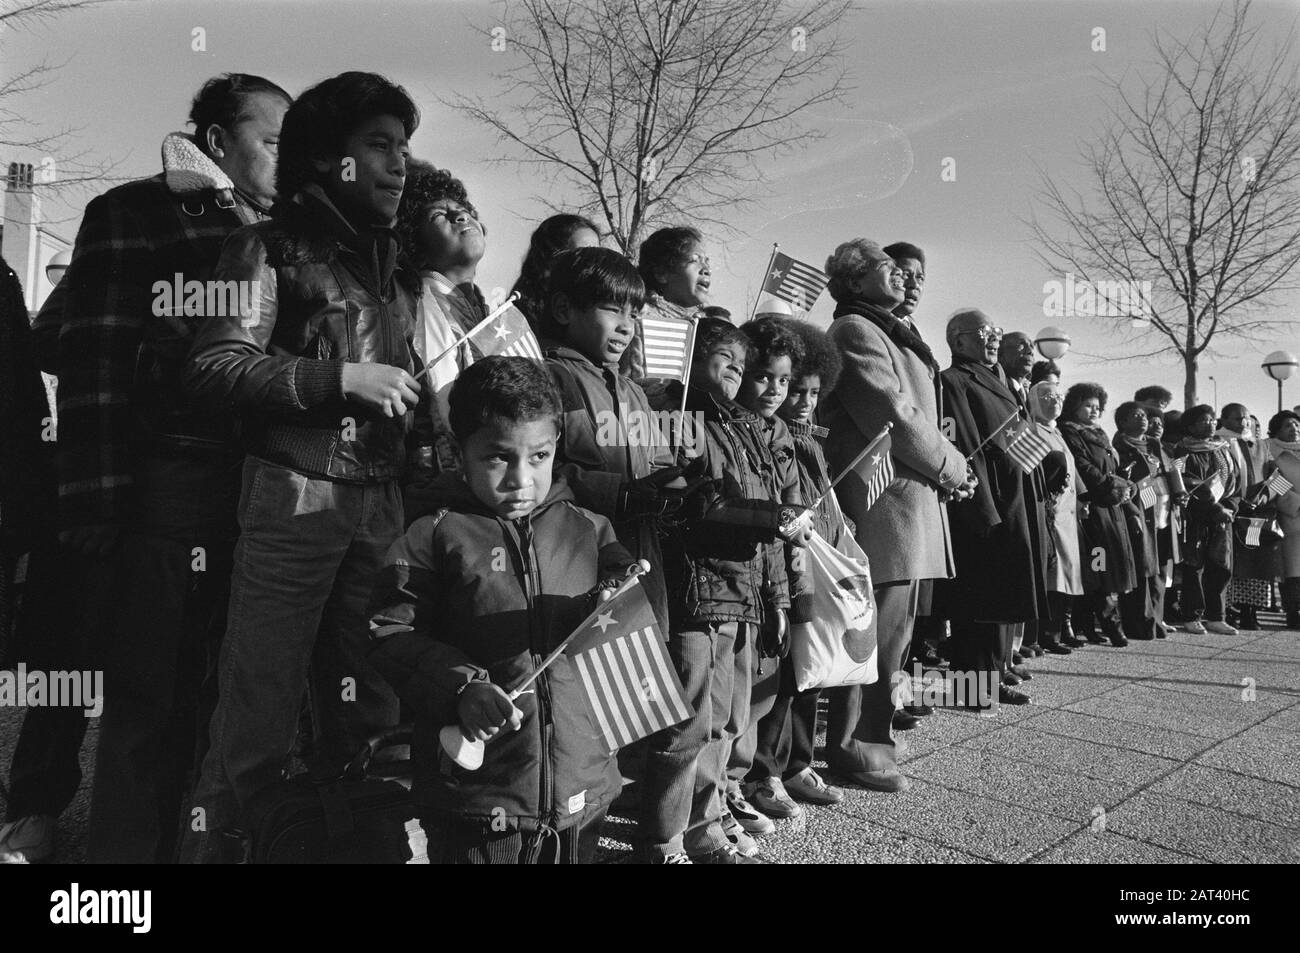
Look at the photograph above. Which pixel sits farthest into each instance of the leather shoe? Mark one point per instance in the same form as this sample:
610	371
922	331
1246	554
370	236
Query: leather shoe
891	780
1012	696
904	722
1056	648
1022	673
919	711
1010	678
1119	641
1017	658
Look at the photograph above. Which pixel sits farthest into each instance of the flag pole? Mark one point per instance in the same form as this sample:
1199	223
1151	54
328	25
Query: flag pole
1012	416
469	334
853	463
766	271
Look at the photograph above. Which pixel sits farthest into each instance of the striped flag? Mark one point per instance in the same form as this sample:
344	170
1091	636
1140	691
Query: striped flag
794	281
876	469
1148	495
1024	444
505	335
668	343
1277	485
1254	529
625	670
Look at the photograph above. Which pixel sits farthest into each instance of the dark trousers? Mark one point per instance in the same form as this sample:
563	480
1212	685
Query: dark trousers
1203	591
1141	608
980	647
174	579
304	568
785	735
1048	631
859	736
452	840
764	692
61	625
1097	609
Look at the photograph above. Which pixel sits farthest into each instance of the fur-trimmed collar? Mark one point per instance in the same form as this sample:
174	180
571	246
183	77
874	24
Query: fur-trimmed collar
187	169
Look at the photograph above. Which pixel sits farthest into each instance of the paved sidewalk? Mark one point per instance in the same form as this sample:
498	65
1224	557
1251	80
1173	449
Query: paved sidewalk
1154	753
1176	751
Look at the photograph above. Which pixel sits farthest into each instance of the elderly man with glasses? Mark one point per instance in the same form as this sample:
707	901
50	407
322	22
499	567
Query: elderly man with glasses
997	535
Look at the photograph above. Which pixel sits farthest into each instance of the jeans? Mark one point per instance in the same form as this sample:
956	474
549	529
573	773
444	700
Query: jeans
305	564
174	572
765	678
685	764
786	734
859	735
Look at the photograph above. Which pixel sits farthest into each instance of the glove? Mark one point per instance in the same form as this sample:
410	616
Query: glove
654	495
773	634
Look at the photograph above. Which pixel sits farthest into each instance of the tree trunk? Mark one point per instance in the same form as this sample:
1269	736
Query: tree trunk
1189	381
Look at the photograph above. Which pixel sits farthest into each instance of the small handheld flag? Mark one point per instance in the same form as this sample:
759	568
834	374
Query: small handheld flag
1277	485
794	281
668	343
1024	445
626	674
1254	529
873	466
1148	495
506	335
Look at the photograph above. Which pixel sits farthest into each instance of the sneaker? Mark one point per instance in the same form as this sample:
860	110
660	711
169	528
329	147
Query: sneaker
726	855
737	836
750	818
678	858
31	836
770	797
1194	627
1220	628
809	786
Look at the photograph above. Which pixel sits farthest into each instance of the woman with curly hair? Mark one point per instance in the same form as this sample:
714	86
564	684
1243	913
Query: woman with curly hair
1214	483
674	263
441	236
1106	552
563	232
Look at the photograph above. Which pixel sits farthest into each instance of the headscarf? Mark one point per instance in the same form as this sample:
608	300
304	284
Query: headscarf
1038	405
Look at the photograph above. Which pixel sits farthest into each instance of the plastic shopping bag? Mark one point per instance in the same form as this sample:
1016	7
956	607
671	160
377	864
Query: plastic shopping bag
838	647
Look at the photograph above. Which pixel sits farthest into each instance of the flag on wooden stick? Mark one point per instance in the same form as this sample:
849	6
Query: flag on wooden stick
794	281
1024	444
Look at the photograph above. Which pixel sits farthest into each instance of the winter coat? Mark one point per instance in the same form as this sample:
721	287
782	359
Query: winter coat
123	344
1206	538
1109	563
327	295
442	614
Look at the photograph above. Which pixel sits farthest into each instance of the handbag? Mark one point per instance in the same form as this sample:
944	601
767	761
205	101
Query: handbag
837	646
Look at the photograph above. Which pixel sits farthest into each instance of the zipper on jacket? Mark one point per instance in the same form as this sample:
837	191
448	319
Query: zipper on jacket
532	589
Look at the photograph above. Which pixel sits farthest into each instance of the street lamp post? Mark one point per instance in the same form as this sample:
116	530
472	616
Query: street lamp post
1280	365
1216	392
1052	343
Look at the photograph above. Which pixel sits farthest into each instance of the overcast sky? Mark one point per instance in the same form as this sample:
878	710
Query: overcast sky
999	87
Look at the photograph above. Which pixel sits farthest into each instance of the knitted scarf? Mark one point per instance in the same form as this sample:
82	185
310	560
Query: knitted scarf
903	336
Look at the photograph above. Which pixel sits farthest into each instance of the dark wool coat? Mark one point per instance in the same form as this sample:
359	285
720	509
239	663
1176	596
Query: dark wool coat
997	535
1109	564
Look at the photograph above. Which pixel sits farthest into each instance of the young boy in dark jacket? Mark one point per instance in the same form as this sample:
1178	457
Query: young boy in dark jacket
472	598
714	569
320	369
783	760
614	451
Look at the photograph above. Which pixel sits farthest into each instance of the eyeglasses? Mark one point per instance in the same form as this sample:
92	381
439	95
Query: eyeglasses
984	334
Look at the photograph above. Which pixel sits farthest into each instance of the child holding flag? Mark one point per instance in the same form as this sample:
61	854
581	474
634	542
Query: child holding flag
469	600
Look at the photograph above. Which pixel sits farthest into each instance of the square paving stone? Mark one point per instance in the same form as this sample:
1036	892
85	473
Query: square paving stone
1264	800
1106	847
1202	831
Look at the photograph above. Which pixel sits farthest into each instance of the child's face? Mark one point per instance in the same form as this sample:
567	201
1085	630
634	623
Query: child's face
602	332
765	386
507	464
366	181
450	237
721	371
802	400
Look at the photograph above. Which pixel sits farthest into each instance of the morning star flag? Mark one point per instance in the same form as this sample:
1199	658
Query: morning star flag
667	345
625	671
506	334
874	468
1024	444
1254	529
791	280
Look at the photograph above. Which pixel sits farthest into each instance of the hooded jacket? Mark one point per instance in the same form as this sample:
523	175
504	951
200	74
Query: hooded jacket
119	348
323	294
465	595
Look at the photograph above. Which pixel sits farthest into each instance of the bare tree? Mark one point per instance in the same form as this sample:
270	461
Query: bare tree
650	109
61	166
1194	190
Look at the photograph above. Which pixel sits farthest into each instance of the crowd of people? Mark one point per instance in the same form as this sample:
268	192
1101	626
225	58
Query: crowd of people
283	528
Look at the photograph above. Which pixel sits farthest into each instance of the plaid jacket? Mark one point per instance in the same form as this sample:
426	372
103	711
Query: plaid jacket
120	365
